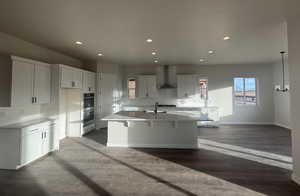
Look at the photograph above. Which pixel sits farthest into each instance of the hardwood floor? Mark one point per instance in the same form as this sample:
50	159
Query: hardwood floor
85	166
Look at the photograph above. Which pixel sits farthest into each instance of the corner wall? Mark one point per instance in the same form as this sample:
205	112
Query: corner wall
293	15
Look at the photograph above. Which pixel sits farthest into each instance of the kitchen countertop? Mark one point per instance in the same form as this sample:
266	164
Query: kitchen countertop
144	116
27	123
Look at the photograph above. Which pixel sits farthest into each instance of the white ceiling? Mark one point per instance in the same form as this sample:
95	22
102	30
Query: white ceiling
182	30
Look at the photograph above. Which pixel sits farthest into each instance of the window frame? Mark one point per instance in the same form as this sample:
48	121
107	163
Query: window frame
127	84
244	87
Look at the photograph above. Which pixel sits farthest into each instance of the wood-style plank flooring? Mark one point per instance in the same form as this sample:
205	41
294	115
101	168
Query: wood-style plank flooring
234	160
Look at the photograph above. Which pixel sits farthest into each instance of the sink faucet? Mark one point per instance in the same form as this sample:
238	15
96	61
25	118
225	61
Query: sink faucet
156	106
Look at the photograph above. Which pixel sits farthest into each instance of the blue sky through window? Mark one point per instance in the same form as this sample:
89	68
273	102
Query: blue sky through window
250	84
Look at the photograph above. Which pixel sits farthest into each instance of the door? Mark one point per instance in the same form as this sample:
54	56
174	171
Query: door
31	146
66	77
22	83
42	84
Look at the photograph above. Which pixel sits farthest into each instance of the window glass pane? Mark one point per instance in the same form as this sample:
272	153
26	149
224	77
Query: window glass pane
250	91
131	88
131	83
203	88
239	90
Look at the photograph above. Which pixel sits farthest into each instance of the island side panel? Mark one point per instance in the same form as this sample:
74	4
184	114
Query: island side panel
159	134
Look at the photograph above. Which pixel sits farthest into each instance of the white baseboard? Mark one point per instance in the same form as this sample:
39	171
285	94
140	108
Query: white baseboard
295	178
174	146
282	125
246	123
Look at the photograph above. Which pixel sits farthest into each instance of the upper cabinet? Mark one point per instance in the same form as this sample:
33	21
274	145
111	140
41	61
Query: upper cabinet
186	86
71	77
147	86
89	82
31	82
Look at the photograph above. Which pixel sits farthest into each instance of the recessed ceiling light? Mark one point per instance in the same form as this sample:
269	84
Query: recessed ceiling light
226	38
100	54
202	60
153	53
156	61
78	43
210	52
149	40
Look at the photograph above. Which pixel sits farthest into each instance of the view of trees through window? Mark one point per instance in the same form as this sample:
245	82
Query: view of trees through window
245	92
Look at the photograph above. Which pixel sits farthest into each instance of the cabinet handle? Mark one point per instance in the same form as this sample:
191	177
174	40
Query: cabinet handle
45	136
35	100
32	100
42	135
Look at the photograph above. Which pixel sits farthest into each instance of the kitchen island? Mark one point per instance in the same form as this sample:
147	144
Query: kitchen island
152	130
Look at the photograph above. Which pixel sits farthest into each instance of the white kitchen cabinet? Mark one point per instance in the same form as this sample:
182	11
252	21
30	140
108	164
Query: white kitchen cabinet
89	82
30	149
147	86
31	82
186	86
70	77
42	84
22	83
23	143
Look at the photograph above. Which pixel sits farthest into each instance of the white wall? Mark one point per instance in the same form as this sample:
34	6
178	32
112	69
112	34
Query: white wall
220	84
12	45
293	15
281	99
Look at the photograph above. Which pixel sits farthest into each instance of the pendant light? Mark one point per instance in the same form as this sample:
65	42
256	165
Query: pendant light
283	88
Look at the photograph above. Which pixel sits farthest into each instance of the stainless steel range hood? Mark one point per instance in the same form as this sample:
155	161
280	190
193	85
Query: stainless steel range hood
166	76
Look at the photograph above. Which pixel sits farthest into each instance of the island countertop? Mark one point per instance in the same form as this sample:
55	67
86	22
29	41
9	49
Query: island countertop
144	116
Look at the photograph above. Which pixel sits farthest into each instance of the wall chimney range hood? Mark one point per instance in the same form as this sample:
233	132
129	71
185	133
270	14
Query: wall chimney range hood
166	76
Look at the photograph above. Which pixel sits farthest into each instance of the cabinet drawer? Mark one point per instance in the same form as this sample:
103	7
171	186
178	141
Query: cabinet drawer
36	128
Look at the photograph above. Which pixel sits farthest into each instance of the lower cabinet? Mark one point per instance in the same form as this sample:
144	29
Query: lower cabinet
22	145
37	142
31	146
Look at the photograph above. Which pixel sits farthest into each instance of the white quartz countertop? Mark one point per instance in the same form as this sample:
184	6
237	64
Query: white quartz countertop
143	116
27	123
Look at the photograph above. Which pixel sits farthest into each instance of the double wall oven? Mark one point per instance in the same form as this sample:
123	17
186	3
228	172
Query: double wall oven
88	110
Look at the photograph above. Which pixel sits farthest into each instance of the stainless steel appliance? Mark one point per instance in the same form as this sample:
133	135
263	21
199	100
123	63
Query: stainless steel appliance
88	112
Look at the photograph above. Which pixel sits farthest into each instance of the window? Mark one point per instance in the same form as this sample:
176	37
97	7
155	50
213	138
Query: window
203	88
245	91
131	88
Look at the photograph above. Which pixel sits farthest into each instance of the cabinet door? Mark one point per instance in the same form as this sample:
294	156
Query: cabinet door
142	87
186	86
181	86
77	78
22	83
47	142
151	86
31	146
66	77
92	82
89	79
42	84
